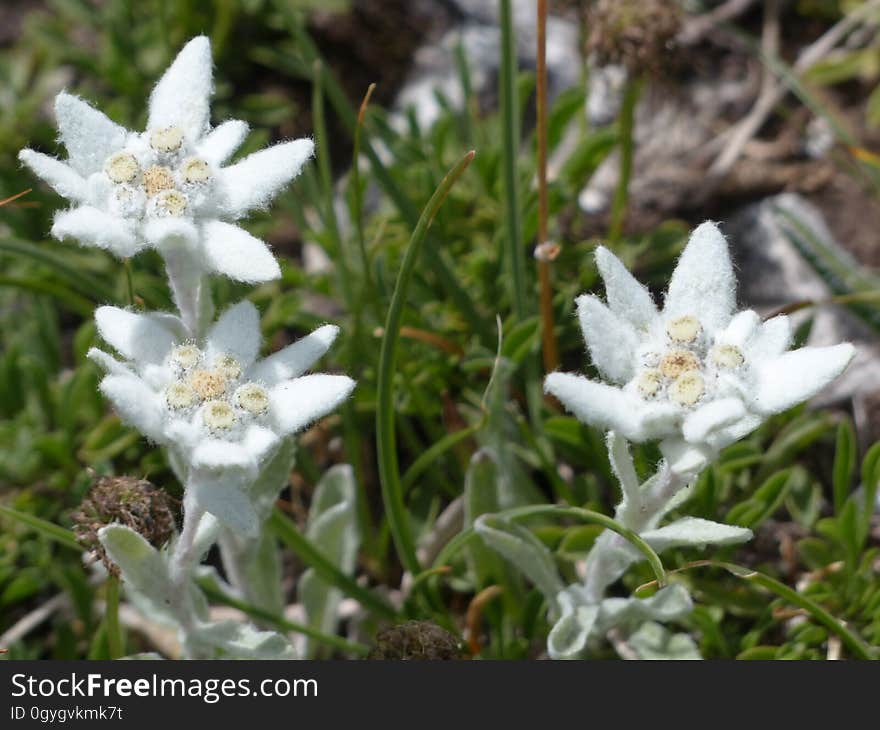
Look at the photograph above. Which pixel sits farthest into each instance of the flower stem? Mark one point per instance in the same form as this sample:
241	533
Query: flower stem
626	125
111	617
188	288
181	564
389	471
548	335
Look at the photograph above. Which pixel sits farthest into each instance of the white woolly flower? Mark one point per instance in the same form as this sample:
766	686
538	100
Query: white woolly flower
219	410
696	374
168	186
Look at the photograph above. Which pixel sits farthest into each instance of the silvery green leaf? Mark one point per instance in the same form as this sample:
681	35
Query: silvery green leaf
234	640
524	550
653	641
333	529
668	604
222	494
693	532
568	637
253	567
144	570
273	477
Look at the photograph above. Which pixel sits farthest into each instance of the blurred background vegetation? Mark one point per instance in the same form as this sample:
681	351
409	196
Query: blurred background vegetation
466	420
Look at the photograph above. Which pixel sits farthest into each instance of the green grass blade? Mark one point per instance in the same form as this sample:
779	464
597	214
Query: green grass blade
389	473
53	532
291	536
213	593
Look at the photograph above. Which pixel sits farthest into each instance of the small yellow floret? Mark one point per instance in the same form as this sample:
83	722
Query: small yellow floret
122	167
207	383
253	398
648	383
688	388
228	365
167	139
180	395
727	356
684	329
195	170
676	362
186	355
218	414
172	202
157	179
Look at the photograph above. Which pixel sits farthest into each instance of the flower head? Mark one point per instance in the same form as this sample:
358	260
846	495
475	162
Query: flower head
696	374
168	184
212	403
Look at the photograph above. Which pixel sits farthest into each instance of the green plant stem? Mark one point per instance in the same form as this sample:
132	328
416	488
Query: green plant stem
111	617
369	288
48	529
291	536
552	510
434	452
389	473
261	614
626	125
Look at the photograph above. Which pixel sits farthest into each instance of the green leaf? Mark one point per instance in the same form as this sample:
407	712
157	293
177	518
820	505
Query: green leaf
333	529
844	463
52	531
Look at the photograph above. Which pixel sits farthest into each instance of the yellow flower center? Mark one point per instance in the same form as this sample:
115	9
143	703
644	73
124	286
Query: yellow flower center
166	139
727	356
186	355
648	383
195	170
172	202
683	329
218	414
180	395
253	398
122	167
688	388
207	383
228	366
676	362
157	178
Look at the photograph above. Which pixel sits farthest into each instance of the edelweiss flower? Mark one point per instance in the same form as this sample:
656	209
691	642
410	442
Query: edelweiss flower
695	375
220	413
167	185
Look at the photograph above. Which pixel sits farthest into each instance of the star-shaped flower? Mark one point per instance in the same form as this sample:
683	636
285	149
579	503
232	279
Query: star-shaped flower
168	185
696	374
220	412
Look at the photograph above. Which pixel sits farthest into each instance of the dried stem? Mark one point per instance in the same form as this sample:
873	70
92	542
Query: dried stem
548	336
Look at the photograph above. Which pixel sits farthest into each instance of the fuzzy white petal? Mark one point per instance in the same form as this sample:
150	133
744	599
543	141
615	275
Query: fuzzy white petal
221	142
62	178
92	227
222	494
89	136
703	283
139	337
136	404
222	455
772	339
260	442
234	252
727	435
182	96
608	407
743	325
295	359
166	232
712	416
626	296
297	403
612	341
798	375
568	637
694	532
258	178
108	363
622	465
236	333
685	458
